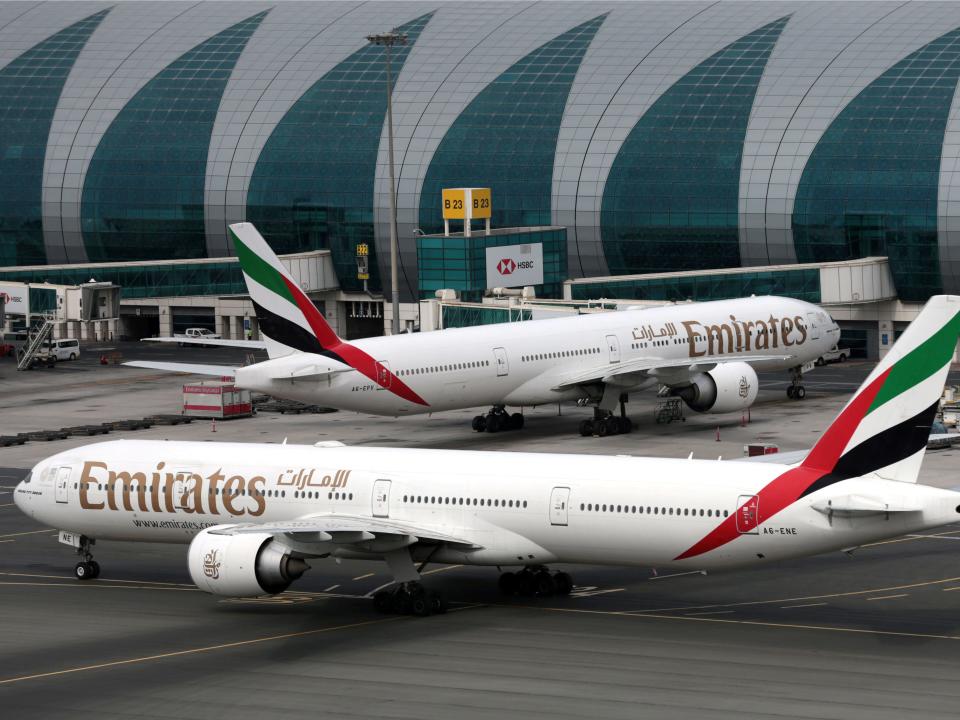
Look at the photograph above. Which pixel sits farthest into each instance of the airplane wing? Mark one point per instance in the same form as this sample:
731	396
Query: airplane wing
219	342
327	531
191	368
630	372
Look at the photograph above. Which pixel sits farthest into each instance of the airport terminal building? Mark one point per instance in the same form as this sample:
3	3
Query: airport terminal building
647	137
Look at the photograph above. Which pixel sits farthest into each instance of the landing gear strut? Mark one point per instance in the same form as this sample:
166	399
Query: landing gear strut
535	580
496	420
87	568
410	598
796	391
606	423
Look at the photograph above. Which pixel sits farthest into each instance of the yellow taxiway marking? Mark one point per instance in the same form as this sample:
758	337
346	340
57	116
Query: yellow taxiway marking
758	623
888	597
7	504
101	584
951	589
67	577
364	577
31	532
194	651
711	612
441	569
3	541
803	605
797	599
673	575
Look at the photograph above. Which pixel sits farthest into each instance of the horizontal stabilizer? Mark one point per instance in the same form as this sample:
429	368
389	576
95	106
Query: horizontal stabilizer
218	342
190	368
861	505
791	457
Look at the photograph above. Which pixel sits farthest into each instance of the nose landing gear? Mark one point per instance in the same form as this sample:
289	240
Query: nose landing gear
496	420
87	568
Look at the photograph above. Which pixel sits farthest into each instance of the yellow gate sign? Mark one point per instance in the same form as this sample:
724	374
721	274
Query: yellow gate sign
466	203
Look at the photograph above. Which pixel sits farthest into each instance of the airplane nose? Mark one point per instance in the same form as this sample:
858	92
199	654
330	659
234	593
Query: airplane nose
18	496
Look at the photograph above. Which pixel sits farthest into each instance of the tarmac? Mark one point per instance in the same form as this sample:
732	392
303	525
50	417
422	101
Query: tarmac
873	634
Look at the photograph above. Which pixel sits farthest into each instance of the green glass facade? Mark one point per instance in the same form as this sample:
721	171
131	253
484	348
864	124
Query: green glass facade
460	263
140	281
144	190
312	186
30	88
506	138
803	284
671	198
870	186
458	316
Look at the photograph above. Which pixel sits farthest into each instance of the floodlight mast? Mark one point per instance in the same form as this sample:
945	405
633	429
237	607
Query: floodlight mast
388	40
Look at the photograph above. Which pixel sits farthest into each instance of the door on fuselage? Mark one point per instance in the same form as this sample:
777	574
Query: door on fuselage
559	505
381	499
813	327
383	374
748	514
500	357
62	484
613	346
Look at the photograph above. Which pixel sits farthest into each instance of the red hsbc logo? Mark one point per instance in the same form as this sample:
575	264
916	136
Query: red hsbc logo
506	266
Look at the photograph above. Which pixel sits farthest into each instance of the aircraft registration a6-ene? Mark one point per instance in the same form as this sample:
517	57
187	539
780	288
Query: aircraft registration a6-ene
255	515
706	353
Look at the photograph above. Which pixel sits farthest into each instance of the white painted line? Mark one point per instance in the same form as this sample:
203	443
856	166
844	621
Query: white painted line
592	593
331	588
441	569
710	612
364	577
951	589
934	537
888	597
786	607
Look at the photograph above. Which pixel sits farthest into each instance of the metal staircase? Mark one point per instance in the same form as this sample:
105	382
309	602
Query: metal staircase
36	340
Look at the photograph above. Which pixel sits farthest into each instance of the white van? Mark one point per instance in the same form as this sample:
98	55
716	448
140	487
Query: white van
65	349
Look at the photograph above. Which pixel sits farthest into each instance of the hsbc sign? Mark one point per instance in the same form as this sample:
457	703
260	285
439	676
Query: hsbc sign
515	265
15	298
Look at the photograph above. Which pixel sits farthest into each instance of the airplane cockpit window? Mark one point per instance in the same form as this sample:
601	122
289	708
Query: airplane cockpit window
26	480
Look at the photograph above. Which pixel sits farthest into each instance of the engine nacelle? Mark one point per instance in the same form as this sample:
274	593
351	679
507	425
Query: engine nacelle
728	387
242	565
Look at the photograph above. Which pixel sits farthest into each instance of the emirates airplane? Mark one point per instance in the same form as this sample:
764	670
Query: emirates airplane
706	353
256	515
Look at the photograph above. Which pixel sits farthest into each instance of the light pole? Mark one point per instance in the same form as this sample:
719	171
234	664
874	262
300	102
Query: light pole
388	40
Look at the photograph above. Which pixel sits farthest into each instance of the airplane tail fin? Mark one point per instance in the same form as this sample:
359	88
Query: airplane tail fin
882	432
288	319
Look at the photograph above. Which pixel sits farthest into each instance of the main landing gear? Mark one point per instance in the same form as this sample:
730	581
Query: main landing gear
410	598
796	391
87	568
606	423
496	420
535	581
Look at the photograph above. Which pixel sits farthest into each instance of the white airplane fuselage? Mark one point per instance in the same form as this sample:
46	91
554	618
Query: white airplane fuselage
524	363
517	508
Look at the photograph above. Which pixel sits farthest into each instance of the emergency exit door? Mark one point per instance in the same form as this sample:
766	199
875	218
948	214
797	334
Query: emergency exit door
613	347
62	484
814	327
381	498
559	500
500	357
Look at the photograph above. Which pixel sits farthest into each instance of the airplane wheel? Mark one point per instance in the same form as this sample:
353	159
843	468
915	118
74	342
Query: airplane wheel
586	428
603	429
95	566
516	421
843	358
419	603
801	392
402	602
508	584
526	584
493	423
545	584
626	425
83	571
790	392
563	583
479	423
383	602
438	603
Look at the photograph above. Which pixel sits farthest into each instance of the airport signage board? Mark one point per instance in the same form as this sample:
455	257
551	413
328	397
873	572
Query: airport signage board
16	297
515	265
466	203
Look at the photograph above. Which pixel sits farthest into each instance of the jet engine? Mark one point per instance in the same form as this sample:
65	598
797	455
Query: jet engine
242	565
728	387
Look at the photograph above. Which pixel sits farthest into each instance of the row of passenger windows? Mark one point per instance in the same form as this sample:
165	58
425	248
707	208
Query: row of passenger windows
315	495
445	368
560	354
652	510
482	502
307	494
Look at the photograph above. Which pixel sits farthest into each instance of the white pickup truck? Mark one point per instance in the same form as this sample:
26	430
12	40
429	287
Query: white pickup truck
834	354
198	334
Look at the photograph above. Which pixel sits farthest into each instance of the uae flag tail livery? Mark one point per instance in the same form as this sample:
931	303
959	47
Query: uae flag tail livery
881	433
290	321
